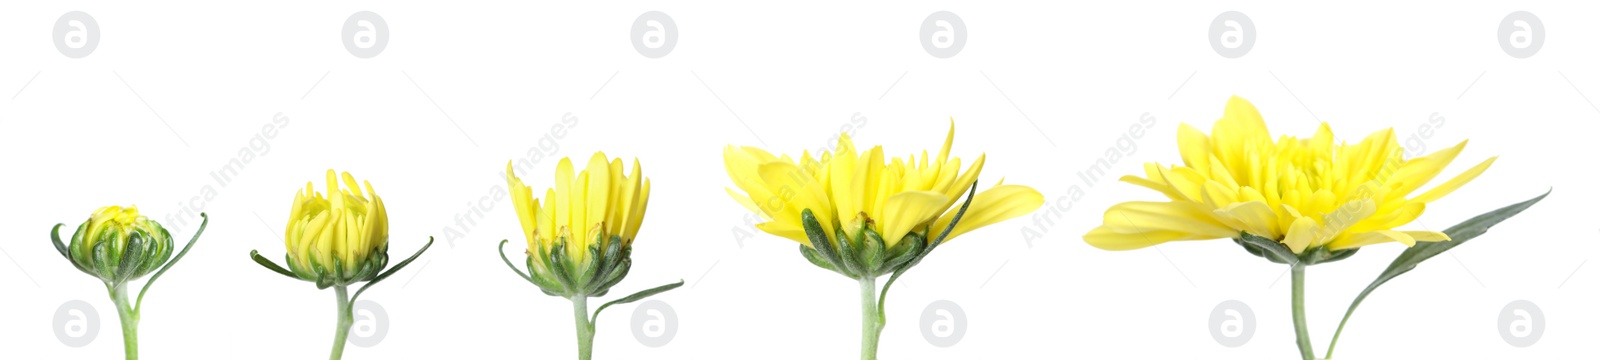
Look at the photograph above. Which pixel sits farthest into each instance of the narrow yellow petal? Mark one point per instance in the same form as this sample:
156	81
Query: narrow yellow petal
597	198
1455	183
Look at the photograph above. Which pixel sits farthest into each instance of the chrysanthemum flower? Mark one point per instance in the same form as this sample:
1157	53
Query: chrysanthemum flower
337	240
580	238
862	215
869	200
1306	193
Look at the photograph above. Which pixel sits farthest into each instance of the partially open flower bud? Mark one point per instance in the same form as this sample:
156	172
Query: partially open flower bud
338	238
117	244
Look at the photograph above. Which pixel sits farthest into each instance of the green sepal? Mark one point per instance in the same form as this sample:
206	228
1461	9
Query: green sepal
589	269
850	255
262	260
132	259
85	260
544	280
304	273
909	247
1270	249
816	259
546	286
55	237
371	268
1278	252
103	261
616	277
558	268
1321	255
608	260
872	253
821	243
507	260
617	262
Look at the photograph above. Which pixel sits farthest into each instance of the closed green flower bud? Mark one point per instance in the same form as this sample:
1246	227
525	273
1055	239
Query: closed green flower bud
117	245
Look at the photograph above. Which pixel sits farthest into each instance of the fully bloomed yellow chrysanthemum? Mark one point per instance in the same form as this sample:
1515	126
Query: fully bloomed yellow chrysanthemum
1305	193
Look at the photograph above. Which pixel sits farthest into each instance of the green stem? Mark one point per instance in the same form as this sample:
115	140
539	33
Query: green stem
1298	297
342	330
130	321
871	323
1339	331
580	318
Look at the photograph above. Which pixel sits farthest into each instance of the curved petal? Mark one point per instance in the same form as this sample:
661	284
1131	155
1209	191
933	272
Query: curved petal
991	206
905	211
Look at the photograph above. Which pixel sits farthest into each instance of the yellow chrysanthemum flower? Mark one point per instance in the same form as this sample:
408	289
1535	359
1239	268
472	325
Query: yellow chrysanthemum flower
588	220
338	238
1305	193
850	192
863	215
580	239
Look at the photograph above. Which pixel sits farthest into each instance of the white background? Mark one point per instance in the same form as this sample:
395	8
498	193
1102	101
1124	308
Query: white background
175	91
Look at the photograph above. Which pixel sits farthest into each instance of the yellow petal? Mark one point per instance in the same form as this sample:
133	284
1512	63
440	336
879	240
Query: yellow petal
1301	234
597	200
991	206
1141	216
1419	171
1255	217
906	210
637	217
1195	147
563	195
798	192
1382	236
1455	183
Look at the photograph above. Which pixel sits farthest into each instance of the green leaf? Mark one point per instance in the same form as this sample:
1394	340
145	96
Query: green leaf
392	270
202	229
635	297
1423	251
